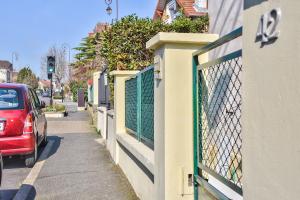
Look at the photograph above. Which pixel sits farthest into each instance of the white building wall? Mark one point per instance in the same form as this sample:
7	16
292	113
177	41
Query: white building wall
271	105
224	17
3	75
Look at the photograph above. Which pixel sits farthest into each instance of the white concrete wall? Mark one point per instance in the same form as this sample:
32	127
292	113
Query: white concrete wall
173	112
134	158
141	183
271	108
96	76
3	75
102	121
111	135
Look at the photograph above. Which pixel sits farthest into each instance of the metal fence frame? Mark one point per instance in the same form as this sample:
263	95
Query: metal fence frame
199	168
144	123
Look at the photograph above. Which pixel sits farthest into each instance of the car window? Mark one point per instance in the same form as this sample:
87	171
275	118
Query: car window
35	99
11	98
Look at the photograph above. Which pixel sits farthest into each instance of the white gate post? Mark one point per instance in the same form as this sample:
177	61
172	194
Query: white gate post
173	111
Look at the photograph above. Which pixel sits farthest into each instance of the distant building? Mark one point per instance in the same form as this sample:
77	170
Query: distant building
15	76
168	10
44	84
6	71
101	27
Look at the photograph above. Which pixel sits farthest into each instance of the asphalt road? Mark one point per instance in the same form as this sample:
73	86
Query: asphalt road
14	174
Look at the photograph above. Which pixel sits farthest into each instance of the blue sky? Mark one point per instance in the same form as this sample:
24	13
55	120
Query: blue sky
30	27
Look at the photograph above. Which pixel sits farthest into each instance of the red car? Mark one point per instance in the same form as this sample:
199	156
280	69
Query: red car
1	168
23	126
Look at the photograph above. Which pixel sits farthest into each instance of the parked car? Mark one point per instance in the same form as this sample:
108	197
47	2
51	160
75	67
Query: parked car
46	94
23	126
1	168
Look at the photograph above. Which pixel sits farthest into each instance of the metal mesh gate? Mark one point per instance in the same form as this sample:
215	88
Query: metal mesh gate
139	106
220	119
217	121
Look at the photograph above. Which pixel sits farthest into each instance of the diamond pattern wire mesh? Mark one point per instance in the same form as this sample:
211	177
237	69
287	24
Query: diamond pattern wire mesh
147	105
139	106
220	119
131	104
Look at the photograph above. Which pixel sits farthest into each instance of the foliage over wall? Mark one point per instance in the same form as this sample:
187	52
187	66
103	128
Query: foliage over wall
122	46
88	58
26	76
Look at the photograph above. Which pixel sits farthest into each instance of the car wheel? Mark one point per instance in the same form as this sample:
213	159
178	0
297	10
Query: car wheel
31	159
45	140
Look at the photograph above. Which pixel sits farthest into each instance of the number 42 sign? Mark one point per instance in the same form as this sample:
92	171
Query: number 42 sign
267	28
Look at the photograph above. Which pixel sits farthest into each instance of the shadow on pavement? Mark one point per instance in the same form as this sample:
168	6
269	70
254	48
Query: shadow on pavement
13	162
26	192
56	145
18	161
7	194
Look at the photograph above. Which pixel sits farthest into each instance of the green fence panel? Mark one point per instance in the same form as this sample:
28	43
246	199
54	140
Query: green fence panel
131	105
139	106
147	106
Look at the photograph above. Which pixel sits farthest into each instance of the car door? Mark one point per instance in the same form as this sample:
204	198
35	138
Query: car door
39	115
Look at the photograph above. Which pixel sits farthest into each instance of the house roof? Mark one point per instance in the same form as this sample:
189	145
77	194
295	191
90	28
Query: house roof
45	83
101	27
186	5
6	65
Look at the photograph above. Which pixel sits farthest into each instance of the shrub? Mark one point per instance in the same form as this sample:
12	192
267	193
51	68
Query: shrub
123	44
57	97
56	108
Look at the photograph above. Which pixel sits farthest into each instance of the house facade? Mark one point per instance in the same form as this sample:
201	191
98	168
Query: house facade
168	10
224	17
44	85
6	71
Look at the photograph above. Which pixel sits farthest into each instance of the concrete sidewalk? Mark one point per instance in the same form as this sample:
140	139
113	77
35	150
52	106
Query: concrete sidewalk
78	166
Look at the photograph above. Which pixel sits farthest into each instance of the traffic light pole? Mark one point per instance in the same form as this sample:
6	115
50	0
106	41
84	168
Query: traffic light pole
50	71
51	88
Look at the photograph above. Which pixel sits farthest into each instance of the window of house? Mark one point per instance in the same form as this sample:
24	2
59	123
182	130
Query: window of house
171	11
201	5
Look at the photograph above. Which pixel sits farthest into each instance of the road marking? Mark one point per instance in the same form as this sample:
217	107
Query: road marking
27	184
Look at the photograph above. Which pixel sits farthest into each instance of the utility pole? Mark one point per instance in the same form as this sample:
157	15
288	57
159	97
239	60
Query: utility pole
109	10
66	45
14	57
117	8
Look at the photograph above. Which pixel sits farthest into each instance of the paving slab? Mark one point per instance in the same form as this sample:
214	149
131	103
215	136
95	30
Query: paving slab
79	167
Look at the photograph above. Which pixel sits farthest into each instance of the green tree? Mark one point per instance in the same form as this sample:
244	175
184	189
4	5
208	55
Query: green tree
88	58
124	44
183	24
26	76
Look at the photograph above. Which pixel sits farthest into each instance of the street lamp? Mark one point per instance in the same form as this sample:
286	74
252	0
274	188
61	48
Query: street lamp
109	9
14	57
66	45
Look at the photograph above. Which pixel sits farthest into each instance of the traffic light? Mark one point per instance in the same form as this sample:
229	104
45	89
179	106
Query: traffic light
50	66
